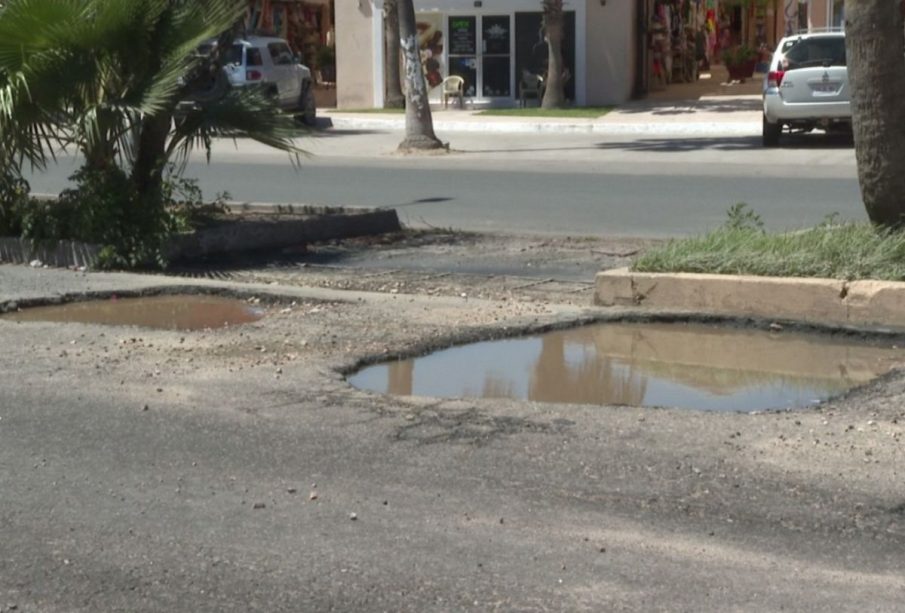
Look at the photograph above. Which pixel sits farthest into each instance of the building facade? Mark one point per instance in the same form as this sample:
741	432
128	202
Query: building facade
613	49
490	43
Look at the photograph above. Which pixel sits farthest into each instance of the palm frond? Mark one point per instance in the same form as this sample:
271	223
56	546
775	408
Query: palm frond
242	113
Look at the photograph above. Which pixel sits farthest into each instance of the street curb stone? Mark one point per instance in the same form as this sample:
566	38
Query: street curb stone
529	127
815	301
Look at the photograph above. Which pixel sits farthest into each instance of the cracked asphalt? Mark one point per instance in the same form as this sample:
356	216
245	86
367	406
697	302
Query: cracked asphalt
235	470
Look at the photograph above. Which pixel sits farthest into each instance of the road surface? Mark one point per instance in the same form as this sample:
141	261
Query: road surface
563	184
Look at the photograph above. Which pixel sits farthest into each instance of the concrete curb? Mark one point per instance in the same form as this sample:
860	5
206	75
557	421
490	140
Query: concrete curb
528	127
281	231
815	301
281	226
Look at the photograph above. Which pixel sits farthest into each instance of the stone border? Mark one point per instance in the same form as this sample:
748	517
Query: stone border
818	301
281	227
280	231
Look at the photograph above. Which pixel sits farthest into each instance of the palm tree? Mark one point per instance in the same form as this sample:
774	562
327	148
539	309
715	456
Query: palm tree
554	24
875	49
419	124
117	80
394	96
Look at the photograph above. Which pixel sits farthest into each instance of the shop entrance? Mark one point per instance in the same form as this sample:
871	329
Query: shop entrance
480	51
490	52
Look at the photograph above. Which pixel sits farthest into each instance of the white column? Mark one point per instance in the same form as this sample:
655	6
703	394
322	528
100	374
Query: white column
579	72
378	53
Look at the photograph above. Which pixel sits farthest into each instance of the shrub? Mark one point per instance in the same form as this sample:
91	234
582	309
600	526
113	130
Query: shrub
14	199
741	54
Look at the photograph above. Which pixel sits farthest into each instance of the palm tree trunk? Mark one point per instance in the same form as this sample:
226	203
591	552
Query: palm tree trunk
875	40
394	97
419	125
147	171
554	97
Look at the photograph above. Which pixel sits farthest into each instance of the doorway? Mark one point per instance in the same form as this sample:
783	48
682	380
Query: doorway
480	51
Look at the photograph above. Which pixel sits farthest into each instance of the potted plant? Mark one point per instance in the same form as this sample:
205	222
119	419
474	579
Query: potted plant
741	62
326	62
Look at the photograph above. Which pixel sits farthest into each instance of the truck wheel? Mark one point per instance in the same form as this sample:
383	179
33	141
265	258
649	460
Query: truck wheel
772	132
308	106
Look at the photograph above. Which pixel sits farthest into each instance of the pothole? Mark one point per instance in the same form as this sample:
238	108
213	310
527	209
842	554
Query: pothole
691	366
173	312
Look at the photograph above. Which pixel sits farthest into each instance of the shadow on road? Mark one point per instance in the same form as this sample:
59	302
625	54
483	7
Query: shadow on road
334	132
728	143
709	105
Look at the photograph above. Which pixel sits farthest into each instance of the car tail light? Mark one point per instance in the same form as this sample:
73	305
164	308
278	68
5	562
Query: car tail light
253	75
774	78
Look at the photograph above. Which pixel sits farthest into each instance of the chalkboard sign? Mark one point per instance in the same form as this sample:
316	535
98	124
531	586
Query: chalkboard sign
462	39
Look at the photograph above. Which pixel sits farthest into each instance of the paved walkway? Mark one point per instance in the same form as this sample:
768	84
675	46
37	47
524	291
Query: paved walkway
712	105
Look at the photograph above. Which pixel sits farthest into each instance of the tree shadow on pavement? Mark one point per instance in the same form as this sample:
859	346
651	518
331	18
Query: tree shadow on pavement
688	107
337	132
727	143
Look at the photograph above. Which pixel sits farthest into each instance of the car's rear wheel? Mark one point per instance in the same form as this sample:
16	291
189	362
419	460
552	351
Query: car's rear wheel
772	132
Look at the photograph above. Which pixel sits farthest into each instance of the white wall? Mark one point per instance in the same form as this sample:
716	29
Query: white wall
610	51
355	77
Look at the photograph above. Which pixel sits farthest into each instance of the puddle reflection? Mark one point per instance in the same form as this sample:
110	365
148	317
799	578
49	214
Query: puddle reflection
179	312
674	365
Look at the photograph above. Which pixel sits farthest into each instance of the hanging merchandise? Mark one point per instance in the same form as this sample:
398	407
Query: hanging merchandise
676	44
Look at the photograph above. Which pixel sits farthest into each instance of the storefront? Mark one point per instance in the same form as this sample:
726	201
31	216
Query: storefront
675	38
306	24
489	48
491	44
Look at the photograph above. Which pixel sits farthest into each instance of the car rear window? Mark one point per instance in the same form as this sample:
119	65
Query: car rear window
253	57
281	54
811	52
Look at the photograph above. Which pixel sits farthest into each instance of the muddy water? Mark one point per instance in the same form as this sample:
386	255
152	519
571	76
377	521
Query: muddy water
690	366
163	312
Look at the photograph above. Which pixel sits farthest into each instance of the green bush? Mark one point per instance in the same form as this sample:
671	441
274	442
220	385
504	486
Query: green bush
741	54
14	199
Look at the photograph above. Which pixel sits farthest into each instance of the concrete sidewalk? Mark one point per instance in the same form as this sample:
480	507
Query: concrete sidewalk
712	105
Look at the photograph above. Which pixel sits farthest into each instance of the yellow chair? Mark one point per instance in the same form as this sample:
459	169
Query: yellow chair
454	87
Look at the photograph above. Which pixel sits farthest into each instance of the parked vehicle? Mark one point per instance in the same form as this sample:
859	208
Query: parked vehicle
260	61
807	86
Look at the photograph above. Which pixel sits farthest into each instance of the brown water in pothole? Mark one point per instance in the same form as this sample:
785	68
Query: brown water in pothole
691	366
178	312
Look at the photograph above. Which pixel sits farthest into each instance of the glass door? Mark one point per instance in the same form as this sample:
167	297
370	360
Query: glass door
463	51
496	73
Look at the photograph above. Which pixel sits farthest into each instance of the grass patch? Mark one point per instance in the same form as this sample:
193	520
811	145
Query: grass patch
585	112
741	247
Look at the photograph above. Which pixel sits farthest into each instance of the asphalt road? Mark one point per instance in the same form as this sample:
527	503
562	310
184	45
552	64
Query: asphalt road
234	470
563	184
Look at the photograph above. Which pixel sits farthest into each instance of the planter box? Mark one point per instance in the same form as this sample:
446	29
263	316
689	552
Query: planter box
742	72
243	233
278	231
821	302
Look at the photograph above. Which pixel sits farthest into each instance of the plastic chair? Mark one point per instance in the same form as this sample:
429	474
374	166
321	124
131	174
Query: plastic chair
453	87
530	86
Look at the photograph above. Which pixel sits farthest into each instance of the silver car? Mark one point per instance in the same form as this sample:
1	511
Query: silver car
268	62
807	86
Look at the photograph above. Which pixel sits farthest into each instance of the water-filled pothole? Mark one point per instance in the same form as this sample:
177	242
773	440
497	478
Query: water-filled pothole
695	366
176	312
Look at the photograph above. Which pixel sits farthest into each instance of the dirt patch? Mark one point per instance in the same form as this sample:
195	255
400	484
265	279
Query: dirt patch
440	263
